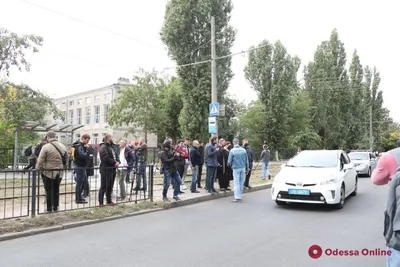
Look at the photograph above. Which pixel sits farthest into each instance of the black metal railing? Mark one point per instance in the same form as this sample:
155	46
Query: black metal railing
27	193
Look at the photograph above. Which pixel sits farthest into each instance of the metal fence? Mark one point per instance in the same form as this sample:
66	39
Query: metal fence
23	193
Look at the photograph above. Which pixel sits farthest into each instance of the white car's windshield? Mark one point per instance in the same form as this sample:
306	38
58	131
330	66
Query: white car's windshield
358	156
317	159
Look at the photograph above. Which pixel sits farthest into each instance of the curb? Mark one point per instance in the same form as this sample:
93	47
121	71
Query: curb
181	203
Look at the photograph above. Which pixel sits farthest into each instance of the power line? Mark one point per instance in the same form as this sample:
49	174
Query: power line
92	25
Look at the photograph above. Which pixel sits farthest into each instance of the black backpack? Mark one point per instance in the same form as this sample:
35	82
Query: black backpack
37	149
28	151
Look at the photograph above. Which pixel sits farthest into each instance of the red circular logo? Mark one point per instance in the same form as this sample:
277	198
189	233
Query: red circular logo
315	251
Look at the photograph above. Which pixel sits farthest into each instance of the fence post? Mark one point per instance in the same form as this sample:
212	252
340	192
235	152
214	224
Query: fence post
33	194
151	182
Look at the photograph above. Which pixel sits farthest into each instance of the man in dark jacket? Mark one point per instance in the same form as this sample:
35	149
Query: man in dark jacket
80	157
250	157
212	164
201	150
168	158
109	163
141	164
195	163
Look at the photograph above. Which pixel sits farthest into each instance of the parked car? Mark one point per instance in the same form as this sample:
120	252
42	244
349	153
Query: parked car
317	177
364	162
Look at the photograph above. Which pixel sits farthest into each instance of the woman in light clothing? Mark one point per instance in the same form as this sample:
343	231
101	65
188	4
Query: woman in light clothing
265	158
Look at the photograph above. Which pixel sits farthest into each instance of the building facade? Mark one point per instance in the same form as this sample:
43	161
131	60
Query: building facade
90	108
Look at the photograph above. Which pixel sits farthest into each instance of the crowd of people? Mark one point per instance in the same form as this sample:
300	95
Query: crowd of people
224	161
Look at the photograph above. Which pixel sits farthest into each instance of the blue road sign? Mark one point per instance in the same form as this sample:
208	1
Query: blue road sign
212	125
214	109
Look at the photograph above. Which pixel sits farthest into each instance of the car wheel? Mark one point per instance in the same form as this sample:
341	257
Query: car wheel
355	188
280	203
369	172
340	205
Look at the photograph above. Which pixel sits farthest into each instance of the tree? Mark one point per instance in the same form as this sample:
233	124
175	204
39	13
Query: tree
171	105
327	82
228	125
139	104
13	49
252	123
390	137
18	104
187	33
271	72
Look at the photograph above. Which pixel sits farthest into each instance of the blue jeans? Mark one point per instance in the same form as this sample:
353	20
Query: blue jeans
141	173
176	181
195	174
394	259
265	171
211	170
81	181
239	175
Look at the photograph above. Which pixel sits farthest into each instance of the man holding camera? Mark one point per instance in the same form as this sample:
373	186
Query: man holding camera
80	157
169	159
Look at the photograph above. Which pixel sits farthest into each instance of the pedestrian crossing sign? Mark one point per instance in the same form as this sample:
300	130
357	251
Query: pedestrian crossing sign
214	109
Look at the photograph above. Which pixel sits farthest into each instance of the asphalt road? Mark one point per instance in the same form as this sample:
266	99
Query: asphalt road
216	233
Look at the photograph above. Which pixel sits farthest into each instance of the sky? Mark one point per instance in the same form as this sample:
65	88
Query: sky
117	37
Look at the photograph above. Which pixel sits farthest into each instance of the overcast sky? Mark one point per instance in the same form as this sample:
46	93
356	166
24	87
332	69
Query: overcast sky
78	57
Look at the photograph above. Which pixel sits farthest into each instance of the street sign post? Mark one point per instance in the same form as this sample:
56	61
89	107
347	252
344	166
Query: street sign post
212	125
214	109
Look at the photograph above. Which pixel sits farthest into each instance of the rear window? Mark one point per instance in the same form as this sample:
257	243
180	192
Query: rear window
318	159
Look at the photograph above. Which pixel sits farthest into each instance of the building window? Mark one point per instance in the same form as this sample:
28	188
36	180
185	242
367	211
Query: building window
96	114
95	138
71	116
88	115
88	100
97	99
107	96
71	103
79	101
106	109
79	116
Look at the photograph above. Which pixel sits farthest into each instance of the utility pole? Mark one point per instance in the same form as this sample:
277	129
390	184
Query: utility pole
371	137
213	67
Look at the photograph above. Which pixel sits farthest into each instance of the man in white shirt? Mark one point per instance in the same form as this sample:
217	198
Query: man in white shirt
127	159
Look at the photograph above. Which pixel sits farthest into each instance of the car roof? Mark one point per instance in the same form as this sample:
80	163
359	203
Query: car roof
351	152
327	151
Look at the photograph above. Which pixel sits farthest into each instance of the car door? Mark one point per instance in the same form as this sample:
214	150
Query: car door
348	170
372	161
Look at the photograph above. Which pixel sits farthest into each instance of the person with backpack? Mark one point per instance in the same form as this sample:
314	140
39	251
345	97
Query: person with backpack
80	156
29	152
388	171
51	163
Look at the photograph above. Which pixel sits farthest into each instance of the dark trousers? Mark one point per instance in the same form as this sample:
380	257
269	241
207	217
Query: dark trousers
199	175
247	180
52	187
181	170
107	184
81	183
32	164
210	176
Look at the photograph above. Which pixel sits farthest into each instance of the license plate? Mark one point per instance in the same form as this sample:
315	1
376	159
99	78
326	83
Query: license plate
299	192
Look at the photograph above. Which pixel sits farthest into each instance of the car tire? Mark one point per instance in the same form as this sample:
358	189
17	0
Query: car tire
369	172
340	205
280	203
355	189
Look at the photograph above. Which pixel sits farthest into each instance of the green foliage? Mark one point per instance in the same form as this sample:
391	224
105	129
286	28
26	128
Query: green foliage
271	71
13	49
171	105
187	34
390	137
228	125
18	104
252	123
139	104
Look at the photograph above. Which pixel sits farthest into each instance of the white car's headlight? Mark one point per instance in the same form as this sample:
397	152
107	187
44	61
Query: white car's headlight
330	180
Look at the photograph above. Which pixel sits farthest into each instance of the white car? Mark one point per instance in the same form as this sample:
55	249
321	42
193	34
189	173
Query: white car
364	162
317	177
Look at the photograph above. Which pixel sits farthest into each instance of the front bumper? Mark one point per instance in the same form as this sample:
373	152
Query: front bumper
319	194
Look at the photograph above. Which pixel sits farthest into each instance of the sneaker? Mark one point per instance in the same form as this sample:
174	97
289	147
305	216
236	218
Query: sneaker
237	201
183	187
177	198
165	199
195	191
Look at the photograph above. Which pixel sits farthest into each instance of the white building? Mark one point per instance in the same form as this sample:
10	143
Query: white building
90	109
